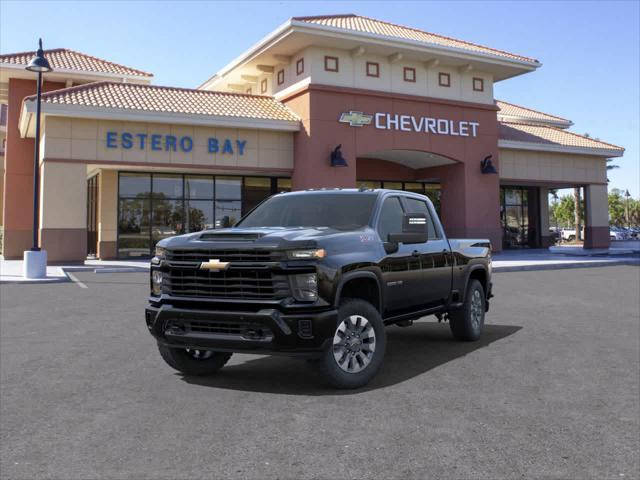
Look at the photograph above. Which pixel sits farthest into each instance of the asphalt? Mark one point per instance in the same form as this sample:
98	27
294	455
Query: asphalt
550	391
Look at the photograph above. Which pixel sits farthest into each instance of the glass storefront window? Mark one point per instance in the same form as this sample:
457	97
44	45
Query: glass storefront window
135	185
371	185
393	185
414	187
228	188
155	206
198	188
167	186
255	190
284	185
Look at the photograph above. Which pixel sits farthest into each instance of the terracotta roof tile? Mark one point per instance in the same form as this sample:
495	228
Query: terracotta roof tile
65	59
517	132
513	110
152	98
370	25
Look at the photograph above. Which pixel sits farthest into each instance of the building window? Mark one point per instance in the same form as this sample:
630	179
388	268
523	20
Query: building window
478	84
409	74
155	206
444	79
280	77
300	66
331	64
248	91
263	86
373	69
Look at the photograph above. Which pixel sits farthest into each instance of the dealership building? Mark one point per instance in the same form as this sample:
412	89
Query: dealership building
331	101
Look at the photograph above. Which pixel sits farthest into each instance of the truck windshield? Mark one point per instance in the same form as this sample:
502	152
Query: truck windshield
335	210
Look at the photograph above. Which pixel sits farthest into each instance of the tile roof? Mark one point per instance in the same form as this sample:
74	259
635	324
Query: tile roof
512	110
544	135
152	98
370	25
65	59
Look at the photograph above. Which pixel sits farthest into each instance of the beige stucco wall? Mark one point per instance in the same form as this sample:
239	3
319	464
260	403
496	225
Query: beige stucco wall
552	167
597	205
81	139
63	196
108	206
352	73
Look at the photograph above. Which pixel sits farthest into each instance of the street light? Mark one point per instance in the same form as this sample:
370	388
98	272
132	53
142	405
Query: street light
35	260
626	208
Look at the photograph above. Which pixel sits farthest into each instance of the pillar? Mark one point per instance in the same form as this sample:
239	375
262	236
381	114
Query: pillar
596	216
107	214
63	211
546	240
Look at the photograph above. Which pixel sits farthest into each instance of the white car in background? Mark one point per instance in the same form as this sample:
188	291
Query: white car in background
617	234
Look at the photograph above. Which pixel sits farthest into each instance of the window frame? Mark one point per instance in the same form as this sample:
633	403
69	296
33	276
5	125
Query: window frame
377	67
444	75
263	85
480	82
327	59
300	66
280	76
407	70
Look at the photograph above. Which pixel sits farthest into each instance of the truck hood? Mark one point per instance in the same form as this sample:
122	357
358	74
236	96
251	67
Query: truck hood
265	237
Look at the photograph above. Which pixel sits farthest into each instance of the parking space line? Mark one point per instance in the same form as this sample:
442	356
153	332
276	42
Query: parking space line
75	280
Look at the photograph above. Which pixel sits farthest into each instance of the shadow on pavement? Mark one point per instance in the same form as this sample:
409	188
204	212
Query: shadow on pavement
410	352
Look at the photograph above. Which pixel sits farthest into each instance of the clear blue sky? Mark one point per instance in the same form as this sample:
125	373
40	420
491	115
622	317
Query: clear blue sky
589	50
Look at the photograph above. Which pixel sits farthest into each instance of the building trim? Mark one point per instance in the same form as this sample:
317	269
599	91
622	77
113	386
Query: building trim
533	121
65	72
376	93
129	115
543	147
523	182
171	166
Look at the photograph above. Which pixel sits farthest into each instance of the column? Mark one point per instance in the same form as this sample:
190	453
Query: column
546	240
63	211
596	216
107	214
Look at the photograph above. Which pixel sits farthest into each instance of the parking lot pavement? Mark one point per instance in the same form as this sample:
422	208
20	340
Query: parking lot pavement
551	390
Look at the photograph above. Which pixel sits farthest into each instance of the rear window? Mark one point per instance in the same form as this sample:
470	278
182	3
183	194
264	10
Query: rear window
334	210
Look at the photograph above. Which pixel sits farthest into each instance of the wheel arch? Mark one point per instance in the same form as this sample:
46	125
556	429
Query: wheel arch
364	285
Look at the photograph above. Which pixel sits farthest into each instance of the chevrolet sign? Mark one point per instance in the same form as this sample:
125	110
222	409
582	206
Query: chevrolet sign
214	264
355	119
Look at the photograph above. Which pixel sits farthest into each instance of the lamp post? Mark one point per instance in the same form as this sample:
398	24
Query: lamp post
35	260
626	208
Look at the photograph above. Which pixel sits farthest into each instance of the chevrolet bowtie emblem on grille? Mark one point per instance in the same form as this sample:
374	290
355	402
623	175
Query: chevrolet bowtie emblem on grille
356	119
214	264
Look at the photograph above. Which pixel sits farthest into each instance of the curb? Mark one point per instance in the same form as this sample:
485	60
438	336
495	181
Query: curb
564	266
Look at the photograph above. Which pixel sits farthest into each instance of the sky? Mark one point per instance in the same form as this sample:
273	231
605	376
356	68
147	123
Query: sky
590	51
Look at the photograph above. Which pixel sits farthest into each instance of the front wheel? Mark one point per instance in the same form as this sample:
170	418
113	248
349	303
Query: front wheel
193	361
358	346
467	323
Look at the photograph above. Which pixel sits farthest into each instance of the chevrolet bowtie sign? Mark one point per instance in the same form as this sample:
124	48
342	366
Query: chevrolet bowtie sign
214	264
355	119
411	123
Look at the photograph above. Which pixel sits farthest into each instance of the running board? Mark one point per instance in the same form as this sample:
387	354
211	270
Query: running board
414	315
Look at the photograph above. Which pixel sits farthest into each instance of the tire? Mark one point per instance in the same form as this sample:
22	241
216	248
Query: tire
194	362
353	361
571	238
467	322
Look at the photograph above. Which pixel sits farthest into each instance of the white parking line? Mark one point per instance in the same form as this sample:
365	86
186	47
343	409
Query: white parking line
75	280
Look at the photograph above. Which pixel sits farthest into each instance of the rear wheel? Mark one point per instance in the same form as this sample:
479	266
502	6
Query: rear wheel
467	323
358	346
193	361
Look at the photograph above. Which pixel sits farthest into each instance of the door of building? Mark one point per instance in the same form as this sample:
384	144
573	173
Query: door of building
519	214
92	216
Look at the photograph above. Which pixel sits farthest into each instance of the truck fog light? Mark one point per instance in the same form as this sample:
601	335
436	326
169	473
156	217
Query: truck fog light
304	287
156	282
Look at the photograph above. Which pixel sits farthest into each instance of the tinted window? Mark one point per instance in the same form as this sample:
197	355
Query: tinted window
418	206
390	218
341	211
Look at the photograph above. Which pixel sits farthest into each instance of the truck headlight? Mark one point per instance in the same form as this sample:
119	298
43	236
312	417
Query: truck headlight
306	254
304	287
159	255
156	282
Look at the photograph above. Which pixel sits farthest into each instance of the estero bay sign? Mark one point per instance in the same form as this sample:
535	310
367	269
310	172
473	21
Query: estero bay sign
411	123
171	143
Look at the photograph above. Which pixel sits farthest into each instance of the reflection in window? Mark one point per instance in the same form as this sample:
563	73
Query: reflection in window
198	215
228	212
134	184
168	218
228	188
284	185
167	186
133	227
200	188
256	189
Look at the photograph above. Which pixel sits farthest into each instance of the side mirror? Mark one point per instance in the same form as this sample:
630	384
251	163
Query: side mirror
414	229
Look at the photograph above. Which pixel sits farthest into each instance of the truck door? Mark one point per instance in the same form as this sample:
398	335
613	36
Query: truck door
435	257
401	270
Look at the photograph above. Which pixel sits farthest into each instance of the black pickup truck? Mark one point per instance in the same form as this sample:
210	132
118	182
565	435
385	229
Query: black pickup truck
317	274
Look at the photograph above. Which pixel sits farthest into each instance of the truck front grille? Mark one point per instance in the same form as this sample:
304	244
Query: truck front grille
246	256
241	284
